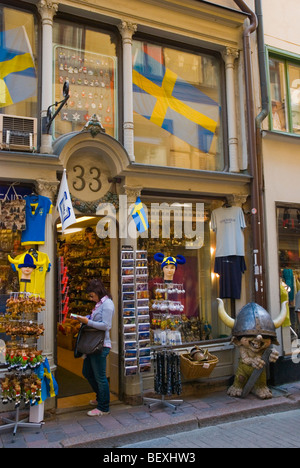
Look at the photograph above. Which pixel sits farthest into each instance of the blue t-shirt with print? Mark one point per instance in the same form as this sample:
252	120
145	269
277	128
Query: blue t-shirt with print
37	208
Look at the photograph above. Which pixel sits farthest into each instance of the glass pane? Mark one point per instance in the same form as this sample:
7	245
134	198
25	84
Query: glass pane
288	226
190	306
176	108
294	78
18	48
278	95
87	58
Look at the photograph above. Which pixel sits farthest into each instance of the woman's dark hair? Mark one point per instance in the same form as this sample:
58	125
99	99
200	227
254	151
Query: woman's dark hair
96	286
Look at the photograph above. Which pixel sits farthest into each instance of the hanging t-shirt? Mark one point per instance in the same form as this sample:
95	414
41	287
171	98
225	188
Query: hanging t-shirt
37	208
229	223
38	275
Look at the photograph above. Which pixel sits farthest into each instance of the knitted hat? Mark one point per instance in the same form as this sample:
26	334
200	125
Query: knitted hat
28	262
160	258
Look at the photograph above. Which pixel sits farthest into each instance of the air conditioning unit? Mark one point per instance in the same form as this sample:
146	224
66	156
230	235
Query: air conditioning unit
18	133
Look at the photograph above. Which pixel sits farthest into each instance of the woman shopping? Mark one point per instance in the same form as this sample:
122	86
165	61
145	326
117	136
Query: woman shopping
94	366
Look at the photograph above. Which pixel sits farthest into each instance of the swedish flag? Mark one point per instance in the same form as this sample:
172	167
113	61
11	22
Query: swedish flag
49	384
17	71
168	101
140	217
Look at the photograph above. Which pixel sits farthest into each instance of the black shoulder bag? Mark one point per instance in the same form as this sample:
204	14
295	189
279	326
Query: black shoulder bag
89	341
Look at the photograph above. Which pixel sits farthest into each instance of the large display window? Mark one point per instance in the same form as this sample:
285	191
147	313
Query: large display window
87	58
18	62
288	225
189	306
177	108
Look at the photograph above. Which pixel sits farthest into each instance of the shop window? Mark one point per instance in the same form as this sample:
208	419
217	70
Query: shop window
18	62
285	95
177	108
88	59
192	306
288	225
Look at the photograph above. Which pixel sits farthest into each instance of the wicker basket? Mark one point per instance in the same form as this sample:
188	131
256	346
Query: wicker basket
195	369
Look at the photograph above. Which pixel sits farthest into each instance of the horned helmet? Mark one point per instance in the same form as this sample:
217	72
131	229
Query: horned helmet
253	320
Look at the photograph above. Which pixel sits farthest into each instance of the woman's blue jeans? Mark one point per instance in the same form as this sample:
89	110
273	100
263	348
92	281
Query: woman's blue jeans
94	370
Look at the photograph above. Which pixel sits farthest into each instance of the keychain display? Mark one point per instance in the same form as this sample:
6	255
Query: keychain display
167	306
22	358
167	377
15	388
19	303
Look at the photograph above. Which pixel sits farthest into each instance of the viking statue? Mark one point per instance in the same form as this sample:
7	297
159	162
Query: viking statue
253	332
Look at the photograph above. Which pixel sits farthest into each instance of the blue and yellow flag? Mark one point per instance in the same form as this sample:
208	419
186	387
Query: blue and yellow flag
49	385
140	217
173	104
17	71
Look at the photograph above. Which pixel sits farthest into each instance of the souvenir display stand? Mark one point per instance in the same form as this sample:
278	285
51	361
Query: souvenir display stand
167	378
22	358
136	319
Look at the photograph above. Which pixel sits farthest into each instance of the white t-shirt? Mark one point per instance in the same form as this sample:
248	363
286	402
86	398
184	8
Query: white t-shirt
229	223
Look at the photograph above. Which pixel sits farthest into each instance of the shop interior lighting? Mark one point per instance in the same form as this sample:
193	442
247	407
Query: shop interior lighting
79	220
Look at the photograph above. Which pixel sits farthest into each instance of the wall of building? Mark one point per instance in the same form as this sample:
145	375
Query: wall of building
280	152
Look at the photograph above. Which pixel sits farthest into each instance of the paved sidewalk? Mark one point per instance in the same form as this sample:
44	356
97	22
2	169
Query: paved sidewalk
130	424
279	430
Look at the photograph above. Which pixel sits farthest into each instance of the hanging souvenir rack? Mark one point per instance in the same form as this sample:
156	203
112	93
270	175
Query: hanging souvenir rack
167	377
22	356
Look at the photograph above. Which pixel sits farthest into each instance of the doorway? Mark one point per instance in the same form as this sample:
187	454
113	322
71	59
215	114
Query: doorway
82	256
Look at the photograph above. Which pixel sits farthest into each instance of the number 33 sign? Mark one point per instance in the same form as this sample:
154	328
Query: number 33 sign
88	177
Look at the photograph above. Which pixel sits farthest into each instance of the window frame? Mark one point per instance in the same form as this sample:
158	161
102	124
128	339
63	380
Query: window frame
287	58
198	50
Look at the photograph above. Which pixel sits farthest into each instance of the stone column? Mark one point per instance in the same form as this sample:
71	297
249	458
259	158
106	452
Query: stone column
127	30
229	56
49	189
47	10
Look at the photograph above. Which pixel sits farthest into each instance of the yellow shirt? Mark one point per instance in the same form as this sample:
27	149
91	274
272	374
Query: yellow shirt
38	276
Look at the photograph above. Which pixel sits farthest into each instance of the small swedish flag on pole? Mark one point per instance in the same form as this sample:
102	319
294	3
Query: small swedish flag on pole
140	217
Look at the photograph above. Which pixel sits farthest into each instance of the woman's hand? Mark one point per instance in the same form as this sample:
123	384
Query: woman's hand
82	319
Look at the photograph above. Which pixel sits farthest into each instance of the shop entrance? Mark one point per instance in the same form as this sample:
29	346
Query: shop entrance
82	256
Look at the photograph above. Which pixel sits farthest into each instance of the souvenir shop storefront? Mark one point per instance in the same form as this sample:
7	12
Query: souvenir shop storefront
187	230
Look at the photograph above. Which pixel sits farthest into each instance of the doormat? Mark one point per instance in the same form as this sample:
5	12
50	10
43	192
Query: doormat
70	384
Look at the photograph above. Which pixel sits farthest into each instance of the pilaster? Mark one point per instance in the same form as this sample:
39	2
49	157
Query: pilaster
47	10
127	30
229	56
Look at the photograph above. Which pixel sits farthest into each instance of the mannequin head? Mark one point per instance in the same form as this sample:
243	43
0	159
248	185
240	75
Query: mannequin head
27	267
169	272
169	265
26	272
